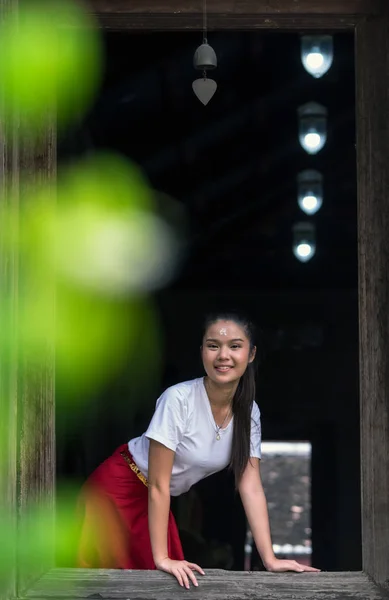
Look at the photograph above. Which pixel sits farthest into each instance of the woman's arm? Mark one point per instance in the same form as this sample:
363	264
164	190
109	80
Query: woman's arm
160	470
161	461
255	506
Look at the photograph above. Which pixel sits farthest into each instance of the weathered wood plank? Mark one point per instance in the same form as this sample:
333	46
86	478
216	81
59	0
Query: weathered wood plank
372	57
9	179
37	162
230	14
194	22
27	460
217	585
258	7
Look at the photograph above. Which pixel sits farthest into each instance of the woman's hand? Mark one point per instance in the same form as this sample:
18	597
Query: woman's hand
278	566
181	569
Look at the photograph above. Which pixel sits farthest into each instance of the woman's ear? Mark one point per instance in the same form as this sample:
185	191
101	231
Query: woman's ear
253	352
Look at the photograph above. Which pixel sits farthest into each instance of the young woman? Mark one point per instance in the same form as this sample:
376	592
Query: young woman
199	427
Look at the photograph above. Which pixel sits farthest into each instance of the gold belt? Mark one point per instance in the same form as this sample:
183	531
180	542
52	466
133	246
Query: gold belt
134	468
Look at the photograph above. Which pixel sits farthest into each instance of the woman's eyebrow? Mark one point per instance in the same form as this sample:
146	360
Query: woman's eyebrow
216	340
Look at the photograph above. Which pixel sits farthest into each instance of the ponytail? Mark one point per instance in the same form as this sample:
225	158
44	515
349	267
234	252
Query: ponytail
242	405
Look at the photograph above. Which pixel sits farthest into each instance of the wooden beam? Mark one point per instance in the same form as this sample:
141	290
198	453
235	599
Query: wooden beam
27	424
9	181
231	14
254	7
217	584
372	59
36	374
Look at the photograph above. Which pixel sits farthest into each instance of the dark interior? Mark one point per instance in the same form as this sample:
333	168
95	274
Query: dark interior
231	167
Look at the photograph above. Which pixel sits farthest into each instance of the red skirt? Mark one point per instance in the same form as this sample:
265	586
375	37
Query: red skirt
114	512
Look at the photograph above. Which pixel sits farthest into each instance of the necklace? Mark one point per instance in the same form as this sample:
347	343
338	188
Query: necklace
217	427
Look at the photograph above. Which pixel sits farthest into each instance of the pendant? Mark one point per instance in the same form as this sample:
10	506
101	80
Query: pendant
218	436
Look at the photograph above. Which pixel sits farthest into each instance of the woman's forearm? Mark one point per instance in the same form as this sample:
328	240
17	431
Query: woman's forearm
255	507
159	506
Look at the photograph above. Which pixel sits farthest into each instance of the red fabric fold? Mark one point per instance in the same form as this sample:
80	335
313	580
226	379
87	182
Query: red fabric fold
114	511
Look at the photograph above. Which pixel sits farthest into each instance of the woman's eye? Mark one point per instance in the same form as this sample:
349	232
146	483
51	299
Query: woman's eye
236	346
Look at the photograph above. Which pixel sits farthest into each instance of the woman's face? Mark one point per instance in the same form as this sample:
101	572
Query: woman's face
226	352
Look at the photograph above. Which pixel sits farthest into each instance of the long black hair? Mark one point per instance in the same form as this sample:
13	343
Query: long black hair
244	397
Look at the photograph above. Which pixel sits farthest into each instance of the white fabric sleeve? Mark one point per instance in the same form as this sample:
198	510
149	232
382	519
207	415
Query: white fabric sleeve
168	423
256	434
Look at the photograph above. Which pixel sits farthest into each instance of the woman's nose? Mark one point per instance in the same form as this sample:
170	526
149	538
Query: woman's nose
223	353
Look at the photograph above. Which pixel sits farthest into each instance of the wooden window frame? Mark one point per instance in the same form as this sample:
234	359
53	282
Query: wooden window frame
27	398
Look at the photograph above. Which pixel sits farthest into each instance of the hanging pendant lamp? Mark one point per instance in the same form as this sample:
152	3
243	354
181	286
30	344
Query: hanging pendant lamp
204	59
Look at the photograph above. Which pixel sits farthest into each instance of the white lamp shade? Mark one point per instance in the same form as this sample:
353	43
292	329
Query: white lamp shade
317	54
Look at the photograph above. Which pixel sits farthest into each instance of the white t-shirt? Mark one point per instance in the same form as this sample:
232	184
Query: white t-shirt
183	422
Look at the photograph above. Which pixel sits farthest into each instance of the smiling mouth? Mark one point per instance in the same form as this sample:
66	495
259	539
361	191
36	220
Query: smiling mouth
222	369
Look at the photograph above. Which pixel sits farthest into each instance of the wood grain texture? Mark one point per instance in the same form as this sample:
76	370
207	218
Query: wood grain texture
259	7
216	585
36	420
372	57
230	14
9	180
194	22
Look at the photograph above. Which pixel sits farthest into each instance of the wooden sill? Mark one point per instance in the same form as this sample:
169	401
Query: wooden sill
110	584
